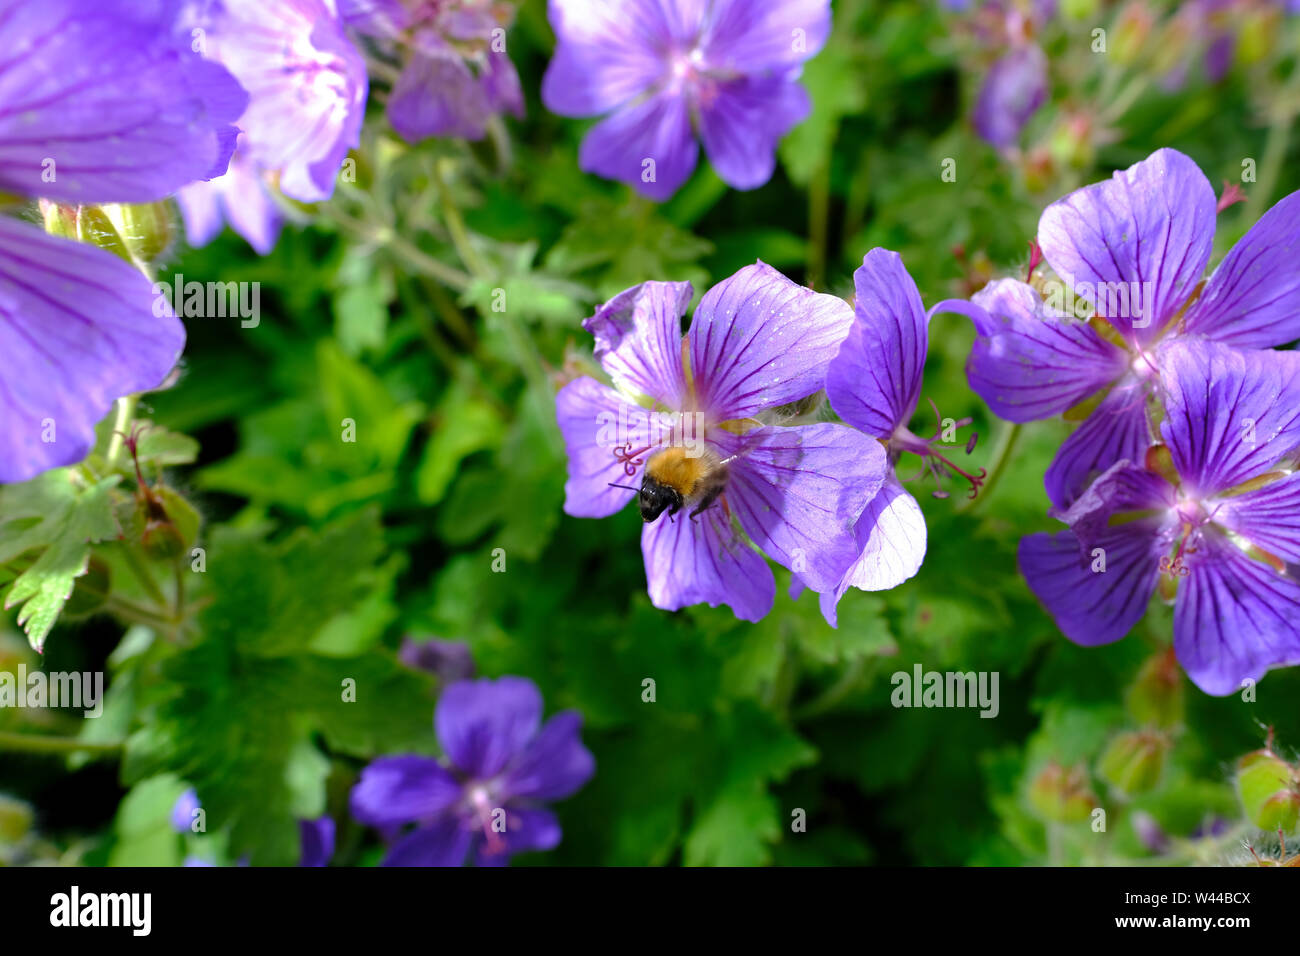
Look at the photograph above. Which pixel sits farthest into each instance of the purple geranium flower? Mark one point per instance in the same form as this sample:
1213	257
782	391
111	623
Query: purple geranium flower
1213	516
487	805
183	811
317	841
758	342
97	104
1135	248
456	73
669	70
307	96
874	384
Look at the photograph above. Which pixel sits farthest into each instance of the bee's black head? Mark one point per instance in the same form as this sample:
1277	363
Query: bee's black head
655	498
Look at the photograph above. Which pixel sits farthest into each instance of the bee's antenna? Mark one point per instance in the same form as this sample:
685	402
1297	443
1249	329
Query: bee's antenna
628	487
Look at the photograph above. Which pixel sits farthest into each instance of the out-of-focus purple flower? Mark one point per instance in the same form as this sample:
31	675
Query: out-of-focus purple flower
874	384
183	811
667	70
317	839
1150	833
100	105
307	90
1017	83
758	341
488	803
1016	86
1223	528
242	197
447	660
1134	248
317	836
456	73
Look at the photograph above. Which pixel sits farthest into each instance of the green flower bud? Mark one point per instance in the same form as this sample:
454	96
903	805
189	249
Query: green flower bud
1080	9
1255	37
1059	795
1269	789
140	235
1133	762
1131	33
1156	696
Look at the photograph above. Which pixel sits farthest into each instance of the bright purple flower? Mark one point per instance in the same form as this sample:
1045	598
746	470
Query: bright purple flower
447	660
1224	529
758	342
307	97
97	104
488	803
457	74
317	839
874	384
669	70
1135	249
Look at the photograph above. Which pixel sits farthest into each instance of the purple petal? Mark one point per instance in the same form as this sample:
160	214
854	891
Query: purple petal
891	538
1117	430
500	82
705	562
874	381
1253	298
799	491
317	838
528	829
746	37
100	104
376	18
485	724
1267	517
608	54
648	144
1028	364
241	197
598	425
444	843
306	83
1011	94
759	340
1151	224
78	330
403	789
555	764
183	811
438	95
1124	488
742	122
1093	607
1230	414
639	339
1234	618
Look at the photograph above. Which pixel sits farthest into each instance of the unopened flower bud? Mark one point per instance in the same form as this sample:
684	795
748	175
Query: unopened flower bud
1062	796
1133	762
1156	696
1132	30
15	819
1269	790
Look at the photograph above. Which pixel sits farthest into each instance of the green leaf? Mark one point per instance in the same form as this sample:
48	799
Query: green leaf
59	516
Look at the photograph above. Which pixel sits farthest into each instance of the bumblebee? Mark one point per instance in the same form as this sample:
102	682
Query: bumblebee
674	480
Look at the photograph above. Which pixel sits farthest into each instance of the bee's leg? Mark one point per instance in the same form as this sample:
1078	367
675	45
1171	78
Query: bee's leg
709	498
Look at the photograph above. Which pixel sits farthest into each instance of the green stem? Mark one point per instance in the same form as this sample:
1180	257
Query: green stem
1275	147
997	466
411	254
143	575
460	237
28	743
121	428
134	613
